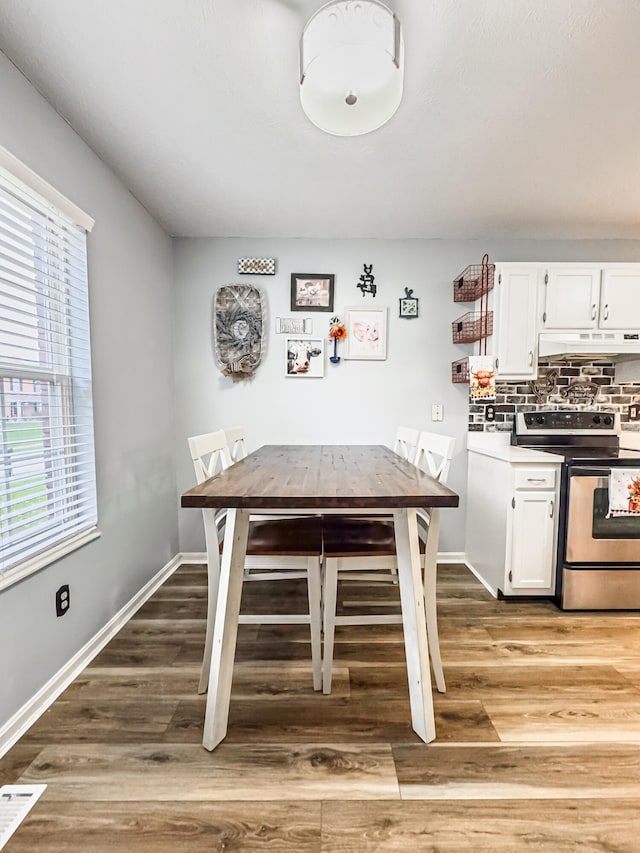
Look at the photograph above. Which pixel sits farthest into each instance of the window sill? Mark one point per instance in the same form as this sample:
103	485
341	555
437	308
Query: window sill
56	552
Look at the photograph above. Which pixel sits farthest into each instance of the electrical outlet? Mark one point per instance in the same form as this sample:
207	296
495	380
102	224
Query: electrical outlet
490	413
436	412
63	600
634	412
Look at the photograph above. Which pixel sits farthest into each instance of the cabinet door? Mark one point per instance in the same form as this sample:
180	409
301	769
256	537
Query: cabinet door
515	323
620	298
571	297
532	541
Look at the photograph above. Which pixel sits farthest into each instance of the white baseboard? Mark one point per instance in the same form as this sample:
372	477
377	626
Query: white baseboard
26	716
494	592
443	557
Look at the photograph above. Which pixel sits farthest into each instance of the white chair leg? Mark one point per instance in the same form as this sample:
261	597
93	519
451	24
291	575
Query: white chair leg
430	603
213	582
315	619
330	596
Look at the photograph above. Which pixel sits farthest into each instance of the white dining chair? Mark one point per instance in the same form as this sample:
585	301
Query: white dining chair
362	550
277	549
406	442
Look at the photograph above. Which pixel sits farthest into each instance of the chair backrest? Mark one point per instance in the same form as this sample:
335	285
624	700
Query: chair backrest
434	453
236	443
406	441
209	454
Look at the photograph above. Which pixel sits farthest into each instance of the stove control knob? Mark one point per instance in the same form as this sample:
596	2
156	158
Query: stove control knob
608	420
596	419
540	419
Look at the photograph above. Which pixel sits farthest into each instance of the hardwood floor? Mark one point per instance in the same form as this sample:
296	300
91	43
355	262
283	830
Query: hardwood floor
537	749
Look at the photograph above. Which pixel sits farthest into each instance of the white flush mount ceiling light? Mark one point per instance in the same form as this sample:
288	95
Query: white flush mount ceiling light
351	67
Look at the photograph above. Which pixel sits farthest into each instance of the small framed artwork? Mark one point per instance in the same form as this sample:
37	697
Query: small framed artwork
257	266
366	333
304	357
294	325
312	292
408	304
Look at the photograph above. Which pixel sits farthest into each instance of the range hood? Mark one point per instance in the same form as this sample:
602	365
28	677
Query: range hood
591	346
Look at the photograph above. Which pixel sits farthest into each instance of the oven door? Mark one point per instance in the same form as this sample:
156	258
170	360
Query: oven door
591	537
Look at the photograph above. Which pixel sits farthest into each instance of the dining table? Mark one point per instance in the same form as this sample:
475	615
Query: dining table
311	479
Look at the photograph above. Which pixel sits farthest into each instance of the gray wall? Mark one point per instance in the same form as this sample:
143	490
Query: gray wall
130	272
356	401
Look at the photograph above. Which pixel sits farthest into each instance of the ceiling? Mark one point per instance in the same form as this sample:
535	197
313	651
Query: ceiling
519	117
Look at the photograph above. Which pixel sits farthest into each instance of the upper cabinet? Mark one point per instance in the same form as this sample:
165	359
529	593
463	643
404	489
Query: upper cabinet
516	326
591	297
620	298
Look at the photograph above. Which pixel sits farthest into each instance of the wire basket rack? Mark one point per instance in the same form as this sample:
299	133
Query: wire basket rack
472	326
460	370
474	282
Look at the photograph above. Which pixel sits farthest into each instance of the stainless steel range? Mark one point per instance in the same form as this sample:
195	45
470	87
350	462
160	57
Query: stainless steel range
598	558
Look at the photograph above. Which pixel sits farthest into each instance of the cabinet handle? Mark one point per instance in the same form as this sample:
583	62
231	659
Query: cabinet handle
536	480
593	311
497	363
530	358
550	509
605	316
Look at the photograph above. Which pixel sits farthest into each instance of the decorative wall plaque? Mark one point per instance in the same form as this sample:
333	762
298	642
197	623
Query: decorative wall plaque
257	266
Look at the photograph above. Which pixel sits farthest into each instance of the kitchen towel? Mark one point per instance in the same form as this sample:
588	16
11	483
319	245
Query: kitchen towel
624	492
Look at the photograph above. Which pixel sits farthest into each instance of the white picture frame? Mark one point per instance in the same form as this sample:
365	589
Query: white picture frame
366	333
303	357
294	325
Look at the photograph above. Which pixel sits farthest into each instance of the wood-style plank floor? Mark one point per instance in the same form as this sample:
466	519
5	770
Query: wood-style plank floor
537	749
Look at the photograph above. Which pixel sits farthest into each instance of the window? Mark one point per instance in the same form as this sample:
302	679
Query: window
47	470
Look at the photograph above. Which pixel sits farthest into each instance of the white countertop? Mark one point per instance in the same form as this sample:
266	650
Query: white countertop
497	445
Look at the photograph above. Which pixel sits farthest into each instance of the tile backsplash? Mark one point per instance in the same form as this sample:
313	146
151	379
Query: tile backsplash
512	397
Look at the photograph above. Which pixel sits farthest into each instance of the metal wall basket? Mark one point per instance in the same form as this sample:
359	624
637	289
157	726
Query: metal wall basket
474	282
460	370
472	326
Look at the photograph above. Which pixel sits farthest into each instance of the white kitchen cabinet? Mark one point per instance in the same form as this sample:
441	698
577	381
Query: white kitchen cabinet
512	531
591	297
620	298
516	322
532	542
572	297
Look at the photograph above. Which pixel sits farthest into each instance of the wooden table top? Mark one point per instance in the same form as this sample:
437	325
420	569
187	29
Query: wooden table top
315	476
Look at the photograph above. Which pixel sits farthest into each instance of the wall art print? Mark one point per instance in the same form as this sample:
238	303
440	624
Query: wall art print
366	333
304	357
408	304
312	291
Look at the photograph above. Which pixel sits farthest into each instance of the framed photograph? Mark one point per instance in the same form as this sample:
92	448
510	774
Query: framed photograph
408	304
311	292
366	333
304	357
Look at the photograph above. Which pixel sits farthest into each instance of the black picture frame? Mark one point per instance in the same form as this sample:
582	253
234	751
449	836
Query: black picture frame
312	291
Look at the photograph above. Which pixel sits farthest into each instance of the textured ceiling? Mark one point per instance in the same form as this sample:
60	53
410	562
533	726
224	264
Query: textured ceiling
519	118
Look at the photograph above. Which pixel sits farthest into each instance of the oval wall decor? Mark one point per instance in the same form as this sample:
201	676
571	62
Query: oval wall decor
238	315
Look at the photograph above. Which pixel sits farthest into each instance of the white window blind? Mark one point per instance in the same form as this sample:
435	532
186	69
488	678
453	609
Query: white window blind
47	465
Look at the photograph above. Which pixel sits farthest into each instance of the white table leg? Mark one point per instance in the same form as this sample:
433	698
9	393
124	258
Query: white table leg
414	624
213	581
226	627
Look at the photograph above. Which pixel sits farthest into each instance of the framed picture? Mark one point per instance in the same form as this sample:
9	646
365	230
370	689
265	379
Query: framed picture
408	304
304	357
311	292
366	333
294	325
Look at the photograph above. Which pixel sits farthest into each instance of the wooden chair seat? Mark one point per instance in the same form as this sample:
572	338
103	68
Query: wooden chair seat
301	537
353	537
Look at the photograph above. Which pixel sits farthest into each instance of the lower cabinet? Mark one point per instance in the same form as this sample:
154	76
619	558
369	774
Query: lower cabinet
512	526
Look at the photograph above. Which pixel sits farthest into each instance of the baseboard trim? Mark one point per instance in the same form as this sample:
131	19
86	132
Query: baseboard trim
26	716
196	557
494	592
